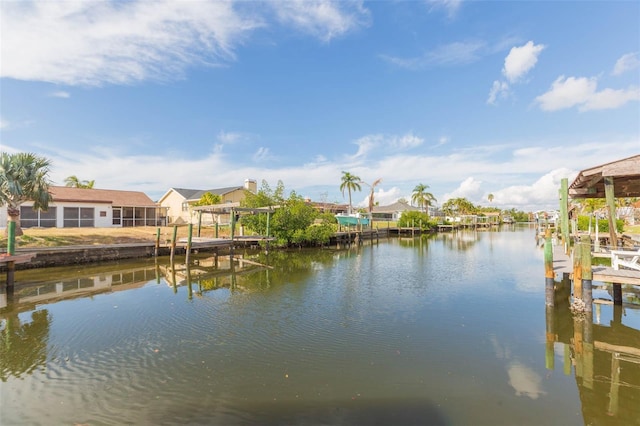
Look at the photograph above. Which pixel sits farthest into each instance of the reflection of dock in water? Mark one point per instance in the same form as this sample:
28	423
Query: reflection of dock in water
214	267
605	358
29	294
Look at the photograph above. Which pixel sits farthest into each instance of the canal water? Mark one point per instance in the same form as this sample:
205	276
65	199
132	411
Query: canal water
448	329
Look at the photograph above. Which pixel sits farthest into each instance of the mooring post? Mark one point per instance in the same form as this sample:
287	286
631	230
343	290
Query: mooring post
550	337
549	275
587	354
157	248
564	213
617	294
587	274
173	245
199	222
189	236
577	272
11	238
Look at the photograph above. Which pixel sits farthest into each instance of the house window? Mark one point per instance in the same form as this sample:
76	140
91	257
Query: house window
117	216
127	216
78	217
185	207
40	218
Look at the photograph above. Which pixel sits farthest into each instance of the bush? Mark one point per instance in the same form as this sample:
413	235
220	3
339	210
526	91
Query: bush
415	219
603	224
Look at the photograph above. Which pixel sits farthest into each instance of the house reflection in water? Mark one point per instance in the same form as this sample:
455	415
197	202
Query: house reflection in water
606	358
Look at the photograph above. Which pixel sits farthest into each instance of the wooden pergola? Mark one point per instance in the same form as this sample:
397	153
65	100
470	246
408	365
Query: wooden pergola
232	209
618	179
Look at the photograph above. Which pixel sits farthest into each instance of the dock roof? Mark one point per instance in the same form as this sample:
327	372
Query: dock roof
625	174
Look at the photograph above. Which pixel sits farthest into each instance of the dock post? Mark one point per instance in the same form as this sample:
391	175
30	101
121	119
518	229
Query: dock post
549	275
216	229
199	222
587	274
188	253
173	245
611	208
550	337
564	213
577	272
617	294
157	248
11	238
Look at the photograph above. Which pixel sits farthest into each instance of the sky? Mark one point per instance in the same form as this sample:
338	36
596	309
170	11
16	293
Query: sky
468	97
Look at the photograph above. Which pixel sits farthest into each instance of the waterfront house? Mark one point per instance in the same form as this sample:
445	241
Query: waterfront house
89	208
178	202
392	212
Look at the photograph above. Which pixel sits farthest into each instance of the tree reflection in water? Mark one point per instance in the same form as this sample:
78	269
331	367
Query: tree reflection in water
23	346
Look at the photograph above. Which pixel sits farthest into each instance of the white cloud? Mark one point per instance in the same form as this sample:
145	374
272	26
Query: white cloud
455	53
521	60
406	142
582	92
611	99
60	94
567	92
324	19
382	197
4	124
451	6
109	42
499	88
469	188
533	173
262	154
627	62
443	140
91	43
229	137
542	194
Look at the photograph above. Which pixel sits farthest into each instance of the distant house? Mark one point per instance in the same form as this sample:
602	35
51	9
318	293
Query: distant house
89	208
178	201
393	211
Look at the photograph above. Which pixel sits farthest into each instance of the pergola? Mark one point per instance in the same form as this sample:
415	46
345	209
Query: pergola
618	179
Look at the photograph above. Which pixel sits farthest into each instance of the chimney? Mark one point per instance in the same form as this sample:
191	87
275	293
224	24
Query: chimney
251	185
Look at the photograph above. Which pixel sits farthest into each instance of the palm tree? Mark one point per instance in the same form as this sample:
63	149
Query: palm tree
74	182
23	177
490	197
350	183
421	197
371	202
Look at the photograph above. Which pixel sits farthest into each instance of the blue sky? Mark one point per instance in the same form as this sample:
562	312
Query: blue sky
468	97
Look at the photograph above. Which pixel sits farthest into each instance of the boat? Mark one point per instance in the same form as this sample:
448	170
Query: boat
352	219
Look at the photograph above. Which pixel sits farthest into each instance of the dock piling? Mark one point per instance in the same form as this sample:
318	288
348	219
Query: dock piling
549	275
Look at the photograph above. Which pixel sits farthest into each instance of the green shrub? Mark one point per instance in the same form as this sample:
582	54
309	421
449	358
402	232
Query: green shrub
603	224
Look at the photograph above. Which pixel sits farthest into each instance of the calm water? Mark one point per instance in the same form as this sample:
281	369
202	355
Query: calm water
450	330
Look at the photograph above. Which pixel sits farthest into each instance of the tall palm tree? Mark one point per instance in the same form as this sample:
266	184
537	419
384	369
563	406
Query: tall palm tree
23	177
372	188
421	197
490	197
350	183
74	182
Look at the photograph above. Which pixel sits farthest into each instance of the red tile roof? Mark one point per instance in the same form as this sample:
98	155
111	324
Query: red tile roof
104	196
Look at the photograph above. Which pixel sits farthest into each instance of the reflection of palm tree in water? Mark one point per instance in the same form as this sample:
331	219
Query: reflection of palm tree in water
23	347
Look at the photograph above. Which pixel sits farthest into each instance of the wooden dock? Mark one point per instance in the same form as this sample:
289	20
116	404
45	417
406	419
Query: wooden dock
563	264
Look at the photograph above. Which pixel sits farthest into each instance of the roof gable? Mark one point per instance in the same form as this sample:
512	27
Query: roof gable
104	196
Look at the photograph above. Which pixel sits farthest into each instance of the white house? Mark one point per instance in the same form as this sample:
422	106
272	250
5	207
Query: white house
84	207
393	211
178	201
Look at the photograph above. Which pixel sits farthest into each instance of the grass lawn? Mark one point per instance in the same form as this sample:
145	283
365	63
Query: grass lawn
52	237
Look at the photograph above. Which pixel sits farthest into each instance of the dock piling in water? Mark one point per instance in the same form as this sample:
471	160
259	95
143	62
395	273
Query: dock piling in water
549	275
